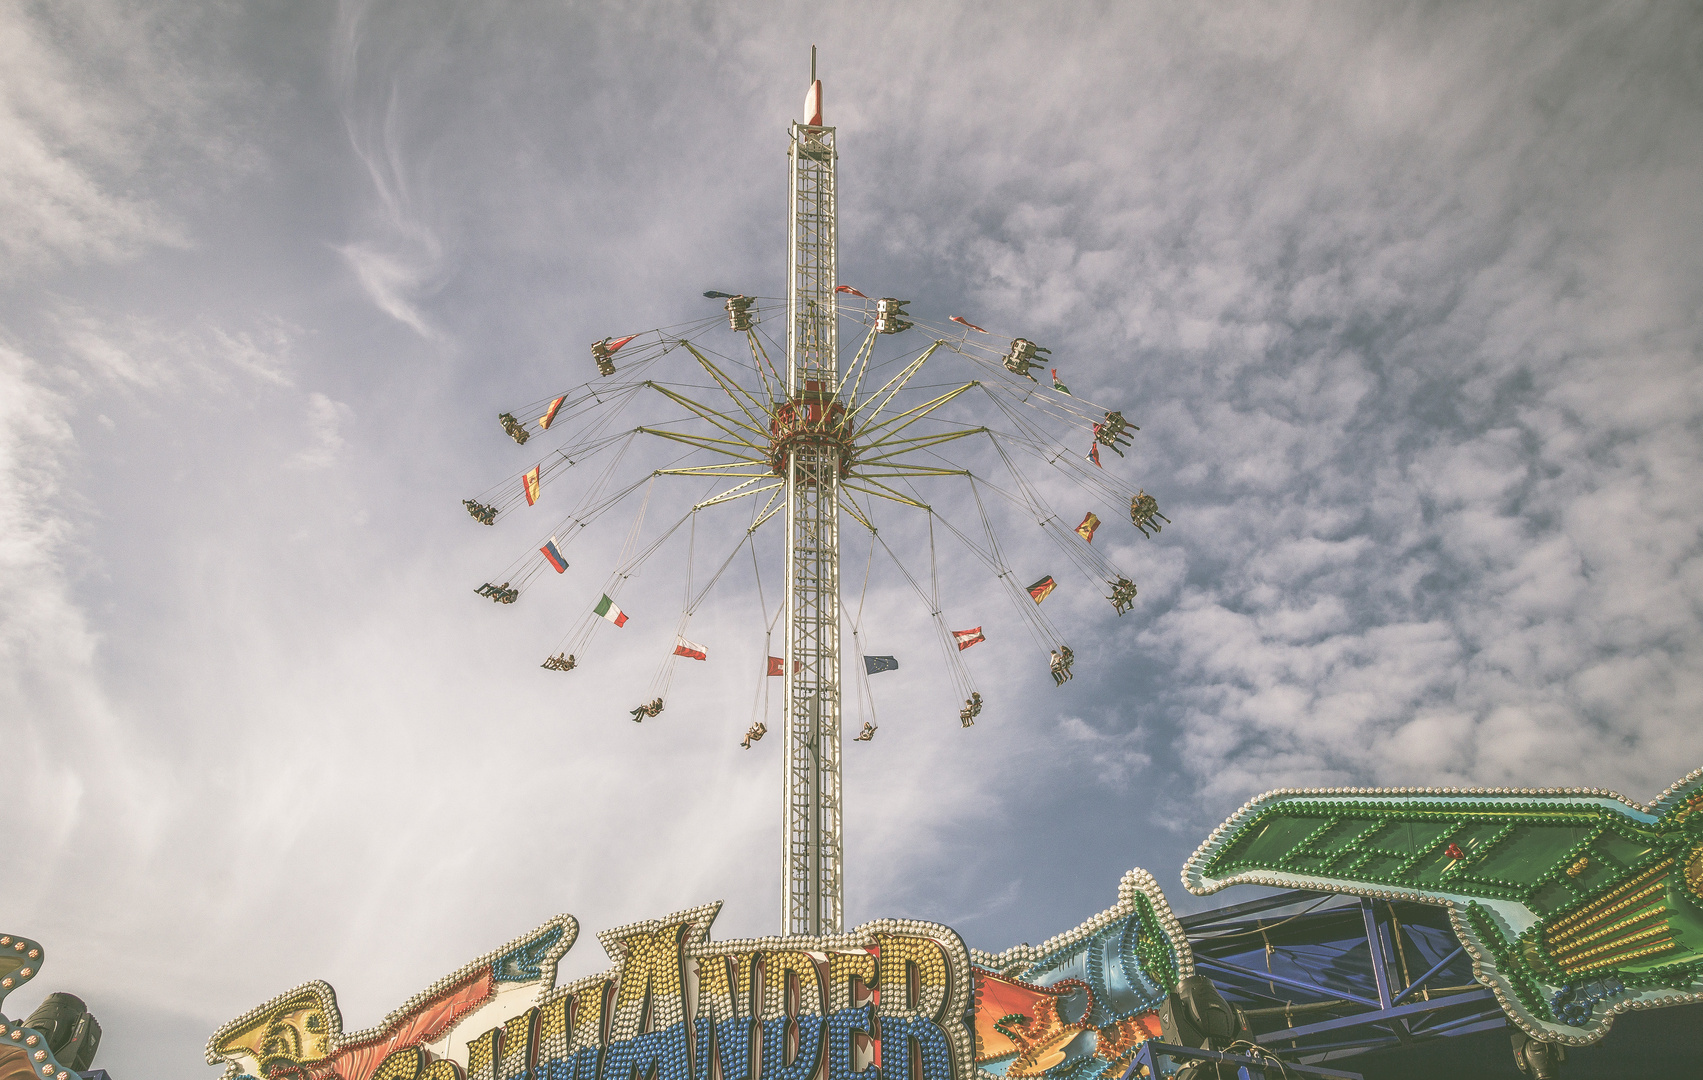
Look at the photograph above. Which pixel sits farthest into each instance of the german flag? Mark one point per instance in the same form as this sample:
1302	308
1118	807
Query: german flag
1043	588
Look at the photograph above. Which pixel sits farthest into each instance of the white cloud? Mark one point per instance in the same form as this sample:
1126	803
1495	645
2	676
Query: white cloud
325	420
1405	310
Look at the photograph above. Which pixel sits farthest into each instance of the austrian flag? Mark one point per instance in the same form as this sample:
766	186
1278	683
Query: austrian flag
966	638
606	608
691	649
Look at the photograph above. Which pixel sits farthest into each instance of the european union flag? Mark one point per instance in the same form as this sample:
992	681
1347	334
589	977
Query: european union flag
872	664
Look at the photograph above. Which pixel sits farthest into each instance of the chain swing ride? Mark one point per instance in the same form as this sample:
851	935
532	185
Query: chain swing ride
817	441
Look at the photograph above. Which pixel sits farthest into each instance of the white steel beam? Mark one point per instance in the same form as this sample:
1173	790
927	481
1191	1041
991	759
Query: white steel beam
811	888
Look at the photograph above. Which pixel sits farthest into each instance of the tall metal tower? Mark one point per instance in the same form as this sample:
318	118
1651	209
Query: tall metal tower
823	442
811	896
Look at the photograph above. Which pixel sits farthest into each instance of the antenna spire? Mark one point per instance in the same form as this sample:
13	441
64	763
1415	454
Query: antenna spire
813	99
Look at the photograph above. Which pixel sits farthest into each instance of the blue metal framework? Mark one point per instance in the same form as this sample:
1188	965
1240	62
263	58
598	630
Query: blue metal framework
1159	1061
1322	976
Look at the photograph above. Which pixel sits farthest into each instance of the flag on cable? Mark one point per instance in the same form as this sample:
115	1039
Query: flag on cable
849	289
530	483
1043	588
873	664
1094	455
549	416
966	322
616	343
777	666
554	554
606	608
1089	524
1060	387
966	638
691	649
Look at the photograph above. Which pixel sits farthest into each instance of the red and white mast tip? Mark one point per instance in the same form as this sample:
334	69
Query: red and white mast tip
813	100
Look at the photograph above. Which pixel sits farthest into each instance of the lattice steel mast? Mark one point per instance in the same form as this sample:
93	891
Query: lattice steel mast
811	893
821	441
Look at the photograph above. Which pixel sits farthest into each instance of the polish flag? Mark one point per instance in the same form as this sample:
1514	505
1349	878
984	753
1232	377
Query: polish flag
690	649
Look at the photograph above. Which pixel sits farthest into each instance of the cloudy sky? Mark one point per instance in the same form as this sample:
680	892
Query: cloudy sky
1405	305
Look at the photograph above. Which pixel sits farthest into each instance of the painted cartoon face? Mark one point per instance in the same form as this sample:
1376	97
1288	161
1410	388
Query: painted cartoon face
299	1036
294	1033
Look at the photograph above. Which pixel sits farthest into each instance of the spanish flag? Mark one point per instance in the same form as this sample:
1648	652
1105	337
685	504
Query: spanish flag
550	413
530	483
1086	529
1043	588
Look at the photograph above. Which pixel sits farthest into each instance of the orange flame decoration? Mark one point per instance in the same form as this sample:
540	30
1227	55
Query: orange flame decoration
1022	1021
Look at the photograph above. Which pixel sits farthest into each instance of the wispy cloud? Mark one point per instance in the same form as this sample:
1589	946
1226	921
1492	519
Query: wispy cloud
325	420
1404	308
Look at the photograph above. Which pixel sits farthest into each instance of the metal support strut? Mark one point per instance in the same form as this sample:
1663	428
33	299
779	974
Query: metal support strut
810	880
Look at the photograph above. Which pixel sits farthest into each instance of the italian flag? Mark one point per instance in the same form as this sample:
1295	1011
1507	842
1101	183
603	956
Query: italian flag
606	608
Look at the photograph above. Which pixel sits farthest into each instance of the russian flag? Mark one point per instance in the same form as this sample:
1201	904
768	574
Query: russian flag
554	554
